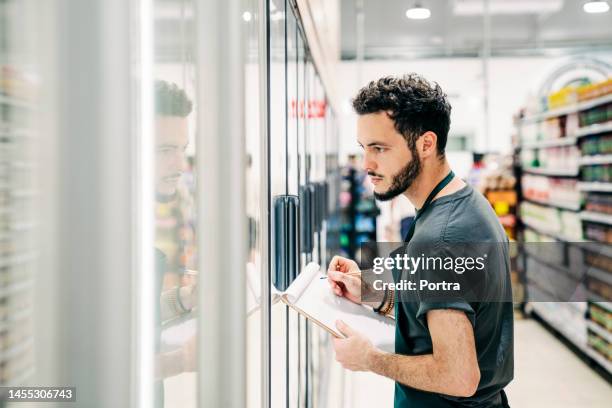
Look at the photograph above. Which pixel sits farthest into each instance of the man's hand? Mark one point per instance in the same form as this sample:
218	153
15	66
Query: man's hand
344	277
452	367
189	296
354	350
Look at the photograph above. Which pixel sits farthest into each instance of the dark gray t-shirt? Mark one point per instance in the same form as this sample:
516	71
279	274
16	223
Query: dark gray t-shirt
462	217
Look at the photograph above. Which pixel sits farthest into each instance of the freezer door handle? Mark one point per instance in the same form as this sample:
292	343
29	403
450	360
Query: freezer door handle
286	227
306	232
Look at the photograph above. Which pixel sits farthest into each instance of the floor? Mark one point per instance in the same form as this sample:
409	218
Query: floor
547	374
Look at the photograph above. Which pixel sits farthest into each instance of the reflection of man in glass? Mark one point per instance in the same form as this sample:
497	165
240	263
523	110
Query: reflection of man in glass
174	234
174	237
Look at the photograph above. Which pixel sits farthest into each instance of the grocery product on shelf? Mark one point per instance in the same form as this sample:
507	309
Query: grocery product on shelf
597	232
18	228
358	211
561	192
497	182
600	315
566	159
597	172
594	91
552	220
596	144
596	115
599	330
599	202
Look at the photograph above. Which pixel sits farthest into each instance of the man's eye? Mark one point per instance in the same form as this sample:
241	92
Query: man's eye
380	149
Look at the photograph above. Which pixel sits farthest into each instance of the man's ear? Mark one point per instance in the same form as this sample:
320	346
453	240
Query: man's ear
429	144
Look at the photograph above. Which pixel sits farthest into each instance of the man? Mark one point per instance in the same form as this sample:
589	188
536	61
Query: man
174	231
174	234
450	353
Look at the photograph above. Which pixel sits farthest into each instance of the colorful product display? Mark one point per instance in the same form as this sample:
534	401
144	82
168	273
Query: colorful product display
554	191
552	220
598	232
564	158
578	108
596	115
596	144
597	172
599	202
358	212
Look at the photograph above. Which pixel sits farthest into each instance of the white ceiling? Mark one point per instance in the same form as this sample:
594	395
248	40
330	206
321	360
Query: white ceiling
518	27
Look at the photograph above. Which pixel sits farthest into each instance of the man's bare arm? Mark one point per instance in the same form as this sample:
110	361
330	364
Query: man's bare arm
451	369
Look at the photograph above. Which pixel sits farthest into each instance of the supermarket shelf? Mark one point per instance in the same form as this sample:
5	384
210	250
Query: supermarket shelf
16	349
15	288
7	100
580	343
17	133
599	359
18	259
600	330
558	324
545	231
601	248
596	217
593	129
604	305
568	109
15	317
595	186
595	298
540	144
563	206
551	172
542	261
596	159
600	274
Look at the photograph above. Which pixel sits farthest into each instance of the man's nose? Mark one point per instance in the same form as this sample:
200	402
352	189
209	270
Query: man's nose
178	161
368	164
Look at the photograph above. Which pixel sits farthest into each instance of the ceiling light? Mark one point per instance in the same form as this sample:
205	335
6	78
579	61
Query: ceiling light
506	7
247	16
596	7
418	12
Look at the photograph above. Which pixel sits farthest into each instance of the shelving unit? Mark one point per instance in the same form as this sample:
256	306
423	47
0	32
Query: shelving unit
595	186
596	217
593	130
551	172
358	212
563	206
581	106
565	141
18	195
573	324
597	159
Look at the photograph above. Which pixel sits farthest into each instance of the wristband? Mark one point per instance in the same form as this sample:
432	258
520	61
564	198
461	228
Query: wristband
377	310
179	302
390	305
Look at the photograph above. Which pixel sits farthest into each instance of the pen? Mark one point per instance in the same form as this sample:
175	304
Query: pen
348	274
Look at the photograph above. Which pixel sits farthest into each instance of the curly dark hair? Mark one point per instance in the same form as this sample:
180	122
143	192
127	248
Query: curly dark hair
170	100
414	104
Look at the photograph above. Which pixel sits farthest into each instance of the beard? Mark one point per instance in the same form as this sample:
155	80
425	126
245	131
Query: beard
402	180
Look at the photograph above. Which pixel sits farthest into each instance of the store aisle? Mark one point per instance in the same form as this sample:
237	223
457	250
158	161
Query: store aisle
547	374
